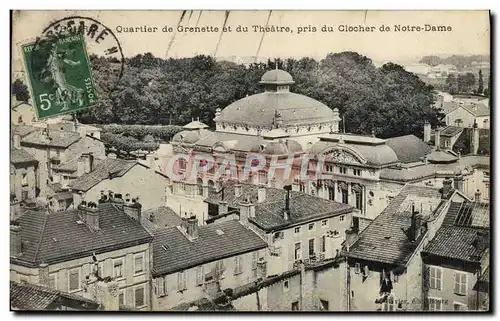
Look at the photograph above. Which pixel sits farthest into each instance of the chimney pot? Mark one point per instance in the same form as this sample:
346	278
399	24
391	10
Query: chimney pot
437	139
427	131
134	210
237	190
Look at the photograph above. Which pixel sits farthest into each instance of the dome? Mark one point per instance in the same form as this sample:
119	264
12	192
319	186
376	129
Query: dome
293	146
441	157
277	77
189	136
277	148
259	110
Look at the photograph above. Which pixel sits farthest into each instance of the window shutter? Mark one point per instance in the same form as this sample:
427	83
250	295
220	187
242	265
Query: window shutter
165	283
180	281
456	282
185	280
255	256
160	286
199	275
366	271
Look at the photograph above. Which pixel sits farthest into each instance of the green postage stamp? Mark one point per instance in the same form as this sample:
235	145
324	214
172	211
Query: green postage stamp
59	74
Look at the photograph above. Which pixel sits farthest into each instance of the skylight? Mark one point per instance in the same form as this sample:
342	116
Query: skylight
219	232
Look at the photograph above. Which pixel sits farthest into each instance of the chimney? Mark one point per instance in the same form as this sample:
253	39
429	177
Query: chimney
474	142
43	275
481	240
15	239
426	161
477	196
437	139
15	207
90	215
192	227
116	201
427	131
286	212
134	210
80	169
261	194
336	120
447	187
247	210
88	161
458	182
150	158
223	207
237	190
416	223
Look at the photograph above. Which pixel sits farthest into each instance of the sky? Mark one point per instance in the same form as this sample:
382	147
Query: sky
470	33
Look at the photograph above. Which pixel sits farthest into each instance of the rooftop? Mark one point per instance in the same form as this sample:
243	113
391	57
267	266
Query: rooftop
269	214
457	237
20	156
61	236
107	168
451	131
23	130
51	138
160	218
385	240
409	148
173	251
30	297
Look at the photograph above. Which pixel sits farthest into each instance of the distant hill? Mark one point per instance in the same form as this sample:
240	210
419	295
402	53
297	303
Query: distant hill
456	60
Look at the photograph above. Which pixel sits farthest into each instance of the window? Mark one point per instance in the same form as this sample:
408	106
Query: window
238	265
297	230
435	278
447	143
322	244
118	268
311	226
329	168
182	281
343	170
262	177
199	186
345	196
286	286
182	163
324	305
74	280
24	180
457	306
121	297
435	304
139	263
295	306
342	217
100	269
302	188
139	296
161	285
312	247
359	203
297	250
219	269
53	281
460	284
357	172
20	119
357	268
199	275
487	191
389	304
324	223
331	193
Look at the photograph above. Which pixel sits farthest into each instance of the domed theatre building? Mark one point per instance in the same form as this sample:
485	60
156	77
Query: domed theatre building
365	172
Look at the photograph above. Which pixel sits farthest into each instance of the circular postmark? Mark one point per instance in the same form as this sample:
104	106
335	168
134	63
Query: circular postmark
102	47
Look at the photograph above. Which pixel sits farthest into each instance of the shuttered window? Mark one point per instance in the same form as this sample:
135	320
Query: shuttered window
460	286
199	275
435	278
182	281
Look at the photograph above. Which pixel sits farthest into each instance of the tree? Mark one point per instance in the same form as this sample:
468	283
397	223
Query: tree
480	86
470	81
20	90
452	84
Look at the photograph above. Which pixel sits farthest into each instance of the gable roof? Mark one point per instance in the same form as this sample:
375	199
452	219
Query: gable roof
30	297
384	240
450	131
102	171
53	138
457	237
477	109
173	251
57	237
23	130
20	156
269	214
409	148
